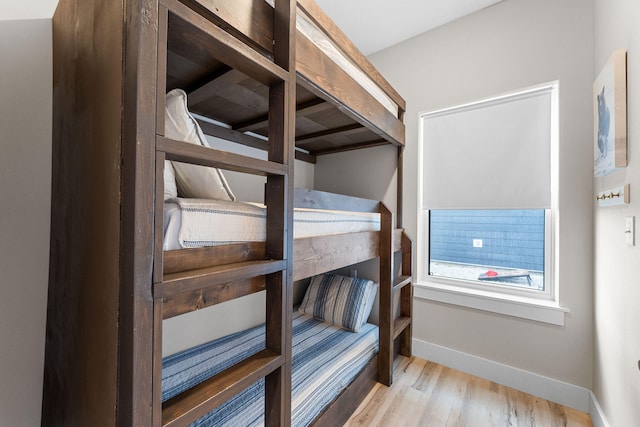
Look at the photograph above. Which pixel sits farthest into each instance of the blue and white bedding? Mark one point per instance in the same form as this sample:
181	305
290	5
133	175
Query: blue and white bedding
190	223
326	359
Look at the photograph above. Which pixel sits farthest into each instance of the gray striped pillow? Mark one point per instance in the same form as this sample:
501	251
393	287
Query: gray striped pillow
340	300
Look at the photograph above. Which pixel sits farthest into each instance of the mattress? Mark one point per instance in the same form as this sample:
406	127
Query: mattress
322	42
325	361
190	223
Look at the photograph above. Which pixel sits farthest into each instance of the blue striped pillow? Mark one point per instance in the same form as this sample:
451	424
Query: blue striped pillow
340	300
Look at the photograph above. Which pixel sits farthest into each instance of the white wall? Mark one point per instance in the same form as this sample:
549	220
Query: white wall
25	189
250	188
369	173
616	382
512	45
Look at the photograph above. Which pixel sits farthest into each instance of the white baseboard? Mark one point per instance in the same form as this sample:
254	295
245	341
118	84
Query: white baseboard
550	389
595	412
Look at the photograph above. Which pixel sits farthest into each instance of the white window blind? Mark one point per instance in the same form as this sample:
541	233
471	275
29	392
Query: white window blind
493	154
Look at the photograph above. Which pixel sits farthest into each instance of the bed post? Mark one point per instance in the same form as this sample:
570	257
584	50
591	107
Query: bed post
279	201
406	296
136	312
385	352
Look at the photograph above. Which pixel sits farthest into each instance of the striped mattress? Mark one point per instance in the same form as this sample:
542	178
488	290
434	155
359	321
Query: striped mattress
325	360
190	223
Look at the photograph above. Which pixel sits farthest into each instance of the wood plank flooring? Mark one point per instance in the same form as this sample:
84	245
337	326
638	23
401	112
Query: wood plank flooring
427	394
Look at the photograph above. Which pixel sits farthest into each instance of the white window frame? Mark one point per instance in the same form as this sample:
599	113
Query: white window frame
536	305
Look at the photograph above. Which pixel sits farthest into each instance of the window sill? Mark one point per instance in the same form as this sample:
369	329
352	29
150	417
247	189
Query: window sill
526	308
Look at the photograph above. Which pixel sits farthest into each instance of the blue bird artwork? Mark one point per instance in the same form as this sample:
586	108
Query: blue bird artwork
603	123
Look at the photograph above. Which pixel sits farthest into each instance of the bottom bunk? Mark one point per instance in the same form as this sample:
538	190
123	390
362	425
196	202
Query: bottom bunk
326	360
197	390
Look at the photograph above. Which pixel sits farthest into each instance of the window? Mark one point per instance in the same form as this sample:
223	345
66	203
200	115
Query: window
487	196
500	247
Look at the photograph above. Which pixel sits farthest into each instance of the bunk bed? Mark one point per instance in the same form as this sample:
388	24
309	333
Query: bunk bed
278	77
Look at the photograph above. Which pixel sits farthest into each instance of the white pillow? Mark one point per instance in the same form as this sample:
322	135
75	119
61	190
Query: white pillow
192	180
170	189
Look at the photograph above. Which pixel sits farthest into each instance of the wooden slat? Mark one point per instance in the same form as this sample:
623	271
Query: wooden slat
313	199
187	407
244	139
189	281
202	298
350	147
314	105
191	153
385	313
138	114
325	23
279	196
339	411
251	20
400	324
397	240
158	219
194	258
315	255
332	250
343	130
202	35
406	296
399	186
318	74
400	282
305	157
209	88
233	135
157	362
161	84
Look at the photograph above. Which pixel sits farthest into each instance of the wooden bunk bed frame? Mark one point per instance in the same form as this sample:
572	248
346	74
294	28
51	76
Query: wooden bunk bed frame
111	285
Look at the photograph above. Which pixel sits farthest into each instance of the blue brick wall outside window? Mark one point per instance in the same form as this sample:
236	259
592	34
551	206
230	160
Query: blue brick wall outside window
509	238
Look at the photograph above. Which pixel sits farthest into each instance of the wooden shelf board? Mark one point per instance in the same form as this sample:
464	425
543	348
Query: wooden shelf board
400	324
400	282
181	151
187	281
192	404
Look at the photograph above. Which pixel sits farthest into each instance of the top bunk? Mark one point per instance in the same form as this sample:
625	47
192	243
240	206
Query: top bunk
221	53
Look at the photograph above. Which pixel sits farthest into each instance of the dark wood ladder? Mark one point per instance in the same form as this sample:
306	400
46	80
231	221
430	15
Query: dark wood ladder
392	327
273	363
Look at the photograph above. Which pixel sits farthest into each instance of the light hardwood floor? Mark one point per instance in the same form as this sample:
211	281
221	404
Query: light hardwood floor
427	394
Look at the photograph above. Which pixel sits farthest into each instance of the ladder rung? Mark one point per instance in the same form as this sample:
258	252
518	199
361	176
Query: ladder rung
212	295
400	282
179	260
400	324
187	281
196	402
197	154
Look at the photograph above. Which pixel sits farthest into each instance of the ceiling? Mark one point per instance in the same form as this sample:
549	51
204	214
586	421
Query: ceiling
371	24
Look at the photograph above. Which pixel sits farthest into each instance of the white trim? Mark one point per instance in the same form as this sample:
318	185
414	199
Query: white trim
595	412
498	99
547	388
526	308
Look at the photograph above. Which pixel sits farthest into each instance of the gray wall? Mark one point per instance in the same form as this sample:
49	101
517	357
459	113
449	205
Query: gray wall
25	188
512	45
616	382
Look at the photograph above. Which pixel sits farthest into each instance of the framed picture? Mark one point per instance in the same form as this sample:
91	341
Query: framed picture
610	115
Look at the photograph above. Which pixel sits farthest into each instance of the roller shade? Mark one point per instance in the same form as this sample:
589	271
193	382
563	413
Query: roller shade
493	154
